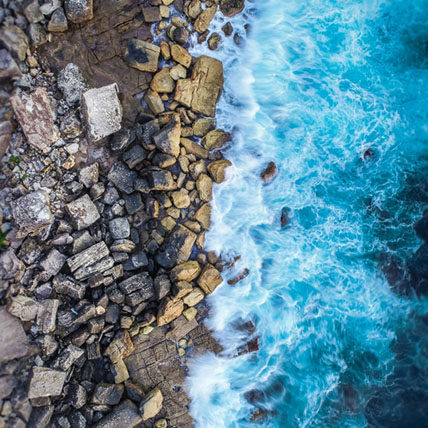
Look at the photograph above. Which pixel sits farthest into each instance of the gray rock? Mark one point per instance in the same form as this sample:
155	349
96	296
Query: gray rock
83	212
8	66
23	307
141	283
134	156
40	417
50	6
107	393
52	263
122	177
133	203
126	415
77	395
110	196
66	286
58	22
79	11
119	228
121	140
46	317
10	265
7	384
32	213
102	111
32	11
162	286
161	179
14	342
77	420
72	84
82	241
15	40
68	357
46	382
89	175
167	140
99	267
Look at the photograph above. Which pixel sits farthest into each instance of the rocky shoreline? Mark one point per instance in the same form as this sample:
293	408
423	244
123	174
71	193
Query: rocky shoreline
110	153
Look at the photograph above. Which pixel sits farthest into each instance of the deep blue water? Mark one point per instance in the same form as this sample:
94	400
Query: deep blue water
314	85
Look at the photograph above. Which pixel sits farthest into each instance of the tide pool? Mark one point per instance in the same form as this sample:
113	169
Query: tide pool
336	94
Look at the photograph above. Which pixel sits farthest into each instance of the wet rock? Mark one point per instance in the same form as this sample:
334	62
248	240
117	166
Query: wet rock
79	11
152	404
106	393
142	55
88	256
202	126
14	342
8	66
169	310
250	346
203	216
72	84
180	55
32	213
217	169
16	41
83	212
36	116
126	415
285	212
46	382
204	19
122	177
119	228
161	179
194	297
239	277
231	7
214	41
68	287
210	279
204	185
178	247
10	265
202	91
102	111
154	101
227	29
181	35
269	173
167	140
215	139
89	175
58	21
46	317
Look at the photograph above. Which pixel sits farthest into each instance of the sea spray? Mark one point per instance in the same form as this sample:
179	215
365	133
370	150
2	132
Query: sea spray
334	92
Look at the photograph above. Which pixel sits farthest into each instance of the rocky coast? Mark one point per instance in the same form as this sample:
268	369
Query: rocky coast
110	152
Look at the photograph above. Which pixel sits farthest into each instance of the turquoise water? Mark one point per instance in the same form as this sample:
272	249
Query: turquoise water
315	84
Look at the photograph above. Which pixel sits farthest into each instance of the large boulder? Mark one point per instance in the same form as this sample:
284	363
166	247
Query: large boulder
36	116
217	169
231	7
202	91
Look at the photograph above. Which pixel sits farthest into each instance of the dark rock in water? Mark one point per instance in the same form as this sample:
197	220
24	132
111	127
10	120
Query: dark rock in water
421	226
285	217
239	277
269	173
214	41
350	397
231	7
369	154
181	35
258	415
251	346
227	29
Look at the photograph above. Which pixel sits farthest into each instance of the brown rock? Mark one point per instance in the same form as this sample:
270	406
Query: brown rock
10	265
193	148
180	55
204	19
120	347
231	7
8	66
181	198
214	41
142	55
169	310
14	342
167	140
46	383
186	271
36	117
58	21
217	169
165	51
5	137
194	297
204	185
16	40
151	14
269	173
203	90
202	126
203	216
210	278
162	82
180	327
152	404
215	139
193	8
154	102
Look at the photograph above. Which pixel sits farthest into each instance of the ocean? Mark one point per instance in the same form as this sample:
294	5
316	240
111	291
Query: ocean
336	94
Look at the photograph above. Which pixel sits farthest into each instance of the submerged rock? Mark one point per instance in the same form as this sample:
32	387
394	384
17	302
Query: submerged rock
231	7
269	173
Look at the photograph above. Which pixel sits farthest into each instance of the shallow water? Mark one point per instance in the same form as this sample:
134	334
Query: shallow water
316	84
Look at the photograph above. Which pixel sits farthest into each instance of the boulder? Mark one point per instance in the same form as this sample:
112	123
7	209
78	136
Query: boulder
83	212
14	342
126	415
89	175
193	8
23	307
107	393
167	140
151	14
202	91
161	179
122	177
142	55
152	404
102	111
193	148
180	55
203	216
214	41
72	84
36	116
215	139
202	126
154	101
204	19
32	213
178	247
169	310
231	7
210	278
181	198
120	347
217	169
79	11
269	173
119	228
204	185
162	82
194	297
187	271
46	382
58	22
8	66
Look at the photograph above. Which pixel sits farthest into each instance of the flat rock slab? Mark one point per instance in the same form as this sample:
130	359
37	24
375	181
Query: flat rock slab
32	213
14	342
36	116
102	111
97	48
